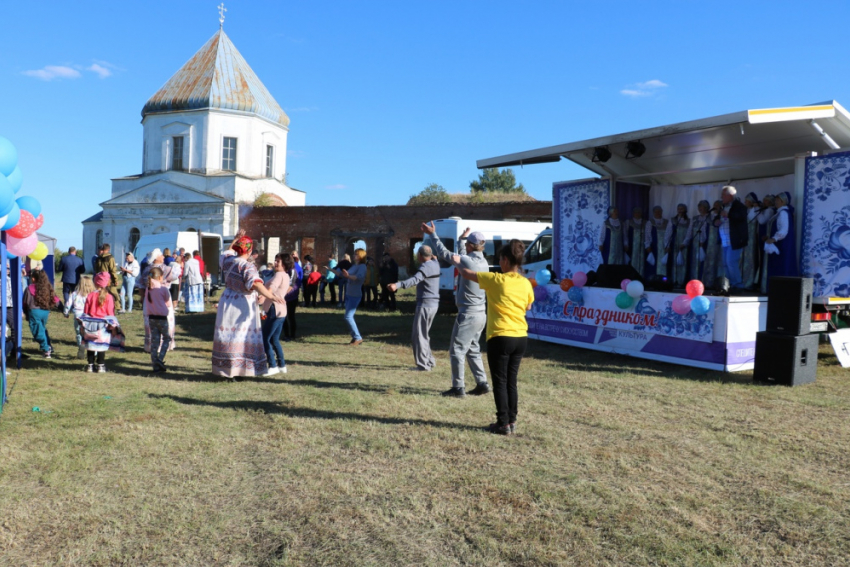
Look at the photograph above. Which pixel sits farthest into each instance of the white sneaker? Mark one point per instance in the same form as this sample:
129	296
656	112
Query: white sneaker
283	369
271	371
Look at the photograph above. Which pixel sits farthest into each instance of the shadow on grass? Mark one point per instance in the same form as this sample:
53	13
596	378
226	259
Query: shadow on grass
578	359
280	409
378	388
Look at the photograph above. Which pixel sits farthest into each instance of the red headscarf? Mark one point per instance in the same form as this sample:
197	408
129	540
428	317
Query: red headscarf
243	245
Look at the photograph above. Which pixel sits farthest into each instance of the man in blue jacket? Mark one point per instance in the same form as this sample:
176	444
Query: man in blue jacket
72	268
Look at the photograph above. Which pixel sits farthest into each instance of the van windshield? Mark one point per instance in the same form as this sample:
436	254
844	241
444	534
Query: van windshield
540	251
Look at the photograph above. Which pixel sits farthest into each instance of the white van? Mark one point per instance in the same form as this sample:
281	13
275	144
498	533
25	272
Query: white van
539	255
497	233
207	243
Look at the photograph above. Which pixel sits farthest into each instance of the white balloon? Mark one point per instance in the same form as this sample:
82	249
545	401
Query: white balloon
634	289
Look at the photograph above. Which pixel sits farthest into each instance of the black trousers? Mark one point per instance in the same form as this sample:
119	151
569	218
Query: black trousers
310	291
504	355
101	356
387	297
330	286
289	322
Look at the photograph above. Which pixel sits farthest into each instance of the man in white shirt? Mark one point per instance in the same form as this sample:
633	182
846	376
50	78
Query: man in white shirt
129	273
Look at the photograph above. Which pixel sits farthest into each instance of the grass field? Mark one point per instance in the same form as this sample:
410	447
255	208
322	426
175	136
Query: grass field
349	459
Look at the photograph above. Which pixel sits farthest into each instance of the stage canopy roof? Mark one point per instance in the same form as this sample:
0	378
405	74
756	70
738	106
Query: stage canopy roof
742	145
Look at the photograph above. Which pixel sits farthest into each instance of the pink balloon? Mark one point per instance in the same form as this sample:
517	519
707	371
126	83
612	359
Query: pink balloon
682	304
625	283
21	247
579	279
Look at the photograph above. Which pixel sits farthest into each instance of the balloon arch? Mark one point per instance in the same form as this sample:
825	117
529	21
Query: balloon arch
20	218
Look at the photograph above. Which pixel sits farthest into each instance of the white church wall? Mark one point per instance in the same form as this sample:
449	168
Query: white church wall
251	134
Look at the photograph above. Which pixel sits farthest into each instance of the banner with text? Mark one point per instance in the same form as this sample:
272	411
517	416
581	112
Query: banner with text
652	314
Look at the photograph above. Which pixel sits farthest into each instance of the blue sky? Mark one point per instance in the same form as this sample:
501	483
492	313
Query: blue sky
386	97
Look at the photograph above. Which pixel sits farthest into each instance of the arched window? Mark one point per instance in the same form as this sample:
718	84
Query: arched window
190	229
98	239
134	239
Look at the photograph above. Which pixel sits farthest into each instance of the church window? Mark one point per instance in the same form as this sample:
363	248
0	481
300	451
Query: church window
228	154
98	239
269	161
134	238
177	153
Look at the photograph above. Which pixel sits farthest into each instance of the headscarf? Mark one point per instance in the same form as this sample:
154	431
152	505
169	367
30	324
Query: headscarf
657	208
243	245
785	196
611	209
752	197
102	279
707	205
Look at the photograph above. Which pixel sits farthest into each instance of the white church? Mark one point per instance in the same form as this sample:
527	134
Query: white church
214	140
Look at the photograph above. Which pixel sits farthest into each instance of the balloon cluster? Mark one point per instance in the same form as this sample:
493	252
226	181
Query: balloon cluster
693	300
573	286
20	217
631	291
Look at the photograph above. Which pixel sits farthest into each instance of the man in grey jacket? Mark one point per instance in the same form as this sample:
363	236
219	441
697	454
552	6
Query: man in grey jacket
427	282
471	311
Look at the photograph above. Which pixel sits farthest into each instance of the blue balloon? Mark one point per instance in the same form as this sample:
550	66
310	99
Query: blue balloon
12	217
575	295
8	157
9	255
16	179
543	276
700	305
7	196
31	204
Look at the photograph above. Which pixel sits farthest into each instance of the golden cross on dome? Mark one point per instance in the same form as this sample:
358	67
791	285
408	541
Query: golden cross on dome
221	11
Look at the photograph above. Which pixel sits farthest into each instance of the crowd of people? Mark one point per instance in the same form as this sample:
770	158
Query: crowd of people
745	241
257	308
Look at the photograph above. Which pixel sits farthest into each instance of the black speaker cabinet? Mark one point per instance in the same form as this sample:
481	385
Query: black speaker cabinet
786	359
789	305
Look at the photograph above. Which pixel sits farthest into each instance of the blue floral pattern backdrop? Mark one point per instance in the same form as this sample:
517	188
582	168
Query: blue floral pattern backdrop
825	250
580	208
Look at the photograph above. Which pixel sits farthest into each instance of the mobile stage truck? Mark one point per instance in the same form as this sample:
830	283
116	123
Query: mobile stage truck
804	150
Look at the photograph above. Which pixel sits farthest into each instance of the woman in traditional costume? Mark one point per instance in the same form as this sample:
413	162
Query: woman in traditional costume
238	341
655	242
697	238
611	238
635	233
768	211
677	256
782	236
713	266
750	257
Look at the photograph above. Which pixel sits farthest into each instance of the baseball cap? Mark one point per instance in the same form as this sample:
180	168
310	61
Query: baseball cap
476	238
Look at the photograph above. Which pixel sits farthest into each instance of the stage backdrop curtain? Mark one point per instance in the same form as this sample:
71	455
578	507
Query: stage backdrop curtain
669	196
580	209
825	250
629	196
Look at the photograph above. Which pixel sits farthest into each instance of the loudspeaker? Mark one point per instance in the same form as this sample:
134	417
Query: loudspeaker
786	359
611	275
789	305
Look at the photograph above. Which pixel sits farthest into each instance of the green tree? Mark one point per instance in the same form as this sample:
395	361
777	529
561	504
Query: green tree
494	180
432	194
57	257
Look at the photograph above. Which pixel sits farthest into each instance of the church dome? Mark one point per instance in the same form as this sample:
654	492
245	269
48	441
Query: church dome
217	76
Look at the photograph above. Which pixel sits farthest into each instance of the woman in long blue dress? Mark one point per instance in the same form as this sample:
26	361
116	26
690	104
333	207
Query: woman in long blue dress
634	239
655	242
611	238
783	236
697	238
676	249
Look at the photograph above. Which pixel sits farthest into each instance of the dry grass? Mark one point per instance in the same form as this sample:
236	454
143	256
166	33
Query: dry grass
351	460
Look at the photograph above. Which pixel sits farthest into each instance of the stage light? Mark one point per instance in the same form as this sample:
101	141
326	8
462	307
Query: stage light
601	154
635	150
